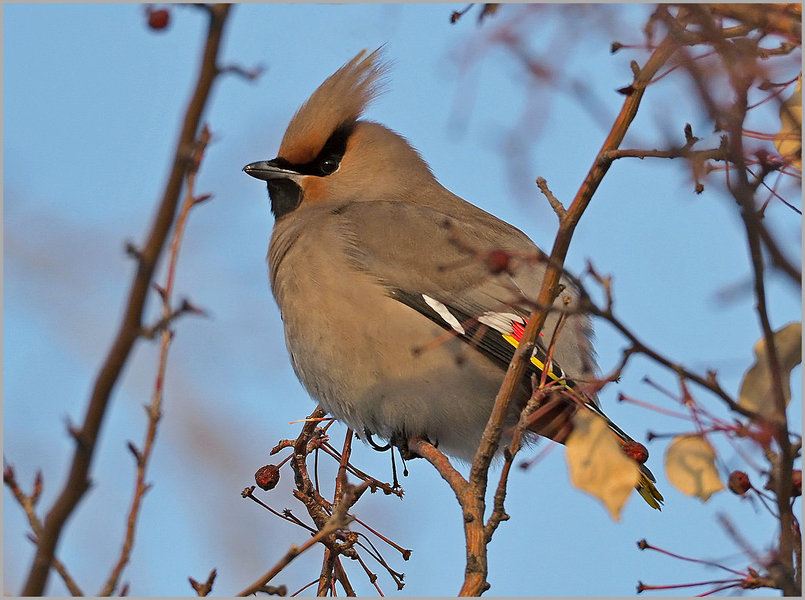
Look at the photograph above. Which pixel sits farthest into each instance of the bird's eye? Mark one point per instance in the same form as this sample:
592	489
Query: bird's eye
328	165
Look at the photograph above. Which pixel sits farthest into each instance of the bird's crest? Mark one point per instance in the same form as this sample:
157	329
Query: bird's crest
338	101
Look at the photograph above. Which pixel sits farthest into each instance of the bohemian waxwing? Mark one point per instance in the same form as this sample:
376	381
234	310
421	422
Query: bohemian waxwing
395	319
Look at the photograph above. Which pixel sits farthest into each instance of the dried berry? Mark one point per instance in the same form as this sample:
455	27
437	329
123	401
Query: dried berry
739	483
267	477
158	19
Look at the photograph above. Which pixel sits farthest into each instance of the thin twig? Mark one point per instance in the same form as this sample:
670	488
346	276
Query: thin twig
552	200
154	409
778	259
732	120
203	589
28	504
783	19
709	381
644	545
286	515
338	520
683	152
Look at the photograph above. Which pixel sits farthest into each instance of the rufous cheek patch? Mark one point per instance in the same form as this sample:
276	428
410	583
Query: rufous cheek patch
315	190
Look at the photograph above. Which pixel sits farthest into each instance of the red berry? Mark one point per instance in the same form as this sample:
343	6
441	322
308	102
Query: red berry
739	483
158	19
267	477
636	451
498	261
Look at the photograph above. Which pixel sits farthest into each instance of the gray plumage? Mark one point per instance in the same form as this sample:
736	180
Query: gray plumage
355	347
371	260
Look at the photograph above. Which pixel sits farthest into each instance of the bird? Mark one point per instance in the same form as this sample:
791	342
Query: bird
402	303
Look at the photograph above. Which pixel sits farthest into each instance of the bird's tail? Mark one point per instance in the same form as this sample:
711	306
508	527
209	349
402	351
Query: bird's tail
555	422
645	485
646	488
555	419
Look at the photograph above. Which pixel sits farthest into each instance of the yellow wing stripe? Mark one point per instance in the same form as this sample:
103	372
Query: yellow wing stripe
538	363
645	487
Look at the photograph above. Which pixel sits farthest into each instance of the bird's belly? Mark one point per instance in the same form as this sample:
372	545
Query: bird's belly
379	365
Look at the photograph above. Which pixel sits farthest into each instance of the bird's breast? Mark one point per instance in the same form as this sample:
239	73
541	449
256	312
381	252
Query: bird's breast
367	358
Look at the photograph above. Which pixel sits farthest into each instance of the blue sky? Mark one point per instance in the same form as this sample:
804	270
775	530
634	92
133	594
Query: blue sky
92	104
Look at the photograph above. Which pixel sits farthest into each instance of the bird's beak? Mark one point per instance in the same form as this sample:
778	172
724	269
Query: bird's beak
284	185
268	170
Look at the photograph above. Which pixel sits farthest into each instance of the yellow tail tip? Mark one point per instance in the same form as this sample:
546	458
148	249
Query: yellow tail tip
646	488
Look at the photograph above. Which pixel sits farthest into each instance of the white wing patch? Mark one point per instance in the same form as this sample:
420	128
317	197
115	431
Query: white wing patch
501	321
444	313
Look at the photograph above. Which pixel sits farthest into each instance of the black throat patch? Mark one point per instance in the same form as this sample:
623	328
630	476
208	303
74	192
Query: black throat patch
285	196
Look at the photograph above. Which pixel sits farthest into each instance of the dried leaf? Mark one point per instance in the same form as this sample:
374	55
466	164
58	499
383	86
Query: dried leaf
789	140
690	465
598	465
756	389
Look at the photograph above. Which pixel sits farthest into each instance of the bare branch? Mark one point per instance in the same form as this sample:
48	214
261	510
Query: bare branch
154	410
28	502
784	19
77	481
555	204
476	570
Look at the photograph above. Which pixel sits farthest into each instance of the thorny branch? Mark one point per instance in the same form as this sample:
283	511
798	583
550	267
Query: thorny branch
131	326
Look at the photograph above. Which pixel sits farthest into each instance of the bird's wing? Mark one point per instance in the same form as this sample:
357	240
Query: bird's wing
469	272
438	263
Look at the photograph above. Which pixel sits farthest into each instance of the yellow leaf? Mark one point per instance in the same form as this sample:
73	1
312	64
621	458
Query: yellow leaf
691	468
598	465
756	388
789	139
